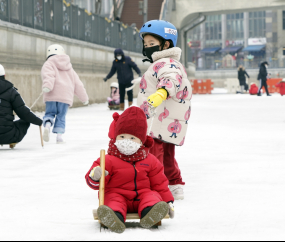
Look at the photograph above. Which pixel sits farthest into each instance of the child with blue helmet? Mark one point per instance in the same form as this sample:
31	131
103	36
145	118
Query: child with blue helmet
166	88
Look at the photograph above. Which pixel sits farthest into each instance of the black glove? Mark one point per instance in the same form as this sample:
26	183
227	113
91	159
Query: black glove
140	75
105	79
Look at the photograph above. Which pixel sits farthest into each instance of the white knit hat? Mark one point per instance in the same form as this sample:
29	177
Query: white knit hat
2	70
283	80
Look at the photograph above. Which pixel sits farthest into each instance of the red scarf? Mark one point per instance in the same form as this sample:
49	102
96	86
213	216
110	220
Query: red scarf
141	154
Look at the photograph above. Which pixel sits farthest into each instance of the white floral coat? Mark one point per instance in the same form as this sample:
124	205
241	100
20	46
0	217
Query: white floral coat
171	120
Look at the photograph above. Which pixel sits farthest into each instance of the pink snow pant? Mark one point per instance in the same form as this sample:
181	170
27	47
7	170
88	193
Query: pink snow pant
165	153
121	204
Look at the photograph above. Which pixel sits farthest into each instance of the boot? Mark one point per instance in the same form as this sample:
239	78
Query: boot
122	106
177	191
155	215
47	132
109	218
130	104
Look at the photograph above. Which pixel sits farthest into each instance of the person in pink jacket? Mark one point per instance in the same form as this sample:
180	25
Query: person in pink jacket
60	83
114	100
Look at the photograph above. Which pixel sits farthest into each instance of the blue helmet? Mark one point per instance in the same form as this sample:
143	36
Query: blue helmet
161	28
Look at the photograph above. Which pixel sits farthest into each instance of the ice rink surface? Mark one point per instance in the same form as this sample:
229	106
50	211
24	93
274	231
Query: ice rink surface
233	163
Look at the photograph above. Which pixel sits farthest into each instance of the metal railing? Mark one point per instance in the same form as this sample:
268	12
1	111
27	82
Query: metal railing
64	19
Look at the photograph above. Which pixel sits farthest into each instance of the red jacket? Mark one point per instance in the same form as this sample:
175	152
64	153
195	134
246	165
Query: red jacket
281	85
253	89
131	180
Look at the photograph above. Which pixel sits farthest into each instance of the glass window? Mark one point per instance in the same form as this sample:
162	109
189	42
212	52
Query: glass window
257	25
235	30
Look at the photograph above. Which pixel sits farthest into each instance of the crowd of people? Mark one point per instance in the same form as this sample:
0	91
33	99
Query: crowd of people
262	78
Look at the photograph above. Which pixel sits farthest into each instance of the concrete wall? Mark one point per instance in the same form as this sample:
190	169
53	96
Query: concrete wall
23	52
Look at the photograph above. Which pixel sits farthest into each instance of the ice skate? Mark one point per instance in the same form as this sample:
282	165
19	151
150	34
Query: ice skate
59	139
177	191
108	217
155	215
46	132
12	145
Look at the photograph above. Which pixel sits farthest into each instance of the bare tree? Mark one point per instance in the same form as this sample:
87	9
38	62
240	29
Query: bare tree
98	6
117	5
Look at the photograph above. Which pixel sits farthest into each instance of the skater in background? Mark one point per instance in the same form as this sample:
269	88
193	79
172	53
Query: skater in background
253	90
242	78
281	85
114	99
135	181
123	65
10	100
60	83
262	77
168	90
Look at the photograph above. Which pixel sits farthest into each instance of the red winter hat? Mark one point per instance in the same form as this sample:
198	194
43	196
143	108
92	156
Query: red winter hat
132	121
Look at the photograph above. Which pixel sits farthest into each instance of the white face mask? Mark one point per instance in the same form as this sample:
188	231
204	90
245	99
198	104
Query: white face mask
127	146
119	57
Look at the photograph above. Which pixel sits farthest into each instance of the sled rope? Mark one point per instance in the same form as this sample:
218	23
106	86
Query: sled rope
36	101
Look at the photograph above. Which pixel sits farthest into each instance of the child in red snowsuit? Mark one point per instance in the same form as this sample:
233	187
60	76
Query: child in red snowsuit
253	90
281	85
135	180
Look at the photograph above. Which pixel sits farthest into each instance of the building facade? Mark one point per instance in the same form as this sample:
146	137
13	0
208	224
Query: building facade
229	40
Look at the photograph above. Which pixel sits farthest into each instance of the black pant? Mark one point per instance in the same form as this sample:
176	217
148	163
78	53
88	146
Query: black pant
122	88
17	134
263	83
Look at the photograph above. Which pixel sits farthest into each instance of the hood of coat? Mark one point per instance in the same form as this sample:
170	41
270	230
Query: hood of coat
174	53
119	52
62	62
5	85
264	63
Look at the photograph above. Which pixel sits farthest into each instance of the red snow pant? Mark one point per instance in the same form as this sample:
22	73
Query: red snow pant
165	153
121	204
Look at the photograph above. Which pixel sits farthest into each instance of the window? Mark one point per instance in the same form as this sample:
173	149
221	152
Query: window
257	24
235	30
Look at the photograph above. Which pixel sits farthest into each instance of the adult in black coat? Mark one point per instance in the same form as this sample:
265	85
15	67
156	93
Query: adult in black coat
262	77
242	78
123	65
10	100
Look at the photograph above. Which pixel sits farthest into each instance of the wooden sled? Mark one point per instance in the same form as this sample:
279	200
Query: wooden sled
130	216
12	146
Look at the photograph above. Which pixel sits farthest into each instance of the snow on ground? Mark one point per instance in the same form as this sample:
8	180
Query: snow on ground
233	163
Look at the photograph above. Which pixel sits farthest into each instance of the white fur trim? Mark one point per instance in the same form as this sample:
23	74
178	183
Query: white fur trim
174	53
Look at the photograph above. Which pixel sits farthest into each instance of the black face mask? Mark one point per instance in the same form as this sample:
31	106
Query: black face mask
149	51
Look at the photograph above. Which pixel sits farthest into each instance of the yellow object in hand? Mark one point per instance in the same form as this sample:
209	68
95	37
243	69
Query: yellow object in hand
93	171
157	98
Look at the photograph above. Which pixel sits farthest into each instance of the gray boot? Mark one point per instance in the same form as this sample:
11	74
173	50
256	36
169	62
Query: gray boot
108	217
155	215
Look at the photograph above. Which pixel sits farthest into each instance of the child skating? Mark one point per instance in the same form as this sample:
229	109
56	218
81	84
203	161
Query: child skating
135	181
60	84
281	86
13	132
167	88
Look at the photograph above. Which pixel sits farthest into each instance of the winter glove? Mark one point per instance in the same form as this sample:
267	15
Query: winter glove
86	103
140	75
46	90
105	79
157	98
96	173
171	210
136	81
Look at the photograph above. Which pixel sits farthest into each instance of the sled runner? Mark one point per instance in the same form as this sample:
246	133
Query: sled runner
130	216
